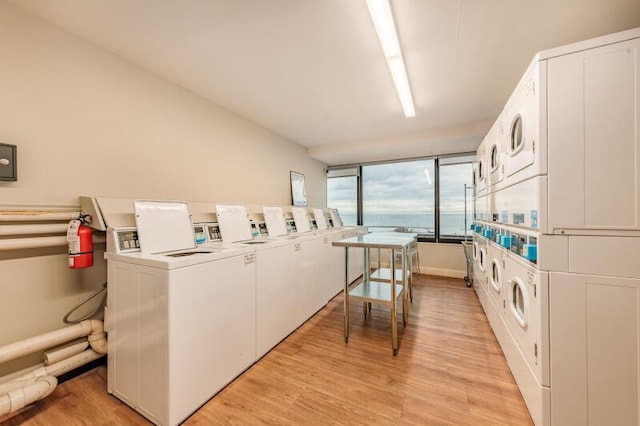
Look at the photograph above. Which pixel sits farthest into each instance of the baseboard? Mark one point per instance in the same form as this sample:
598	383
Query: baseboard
450	273
440	272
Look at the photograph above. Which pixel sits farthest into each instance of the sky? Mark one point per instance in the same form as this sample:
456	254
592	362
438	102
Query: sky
402	188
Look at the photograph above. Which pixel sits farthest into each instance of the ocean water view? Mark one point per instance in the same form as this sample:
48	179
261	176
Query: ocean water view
451	224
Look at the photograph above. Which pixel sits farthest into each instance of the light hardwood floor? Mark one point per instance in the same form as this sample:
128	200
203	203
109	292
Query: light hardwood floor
449	371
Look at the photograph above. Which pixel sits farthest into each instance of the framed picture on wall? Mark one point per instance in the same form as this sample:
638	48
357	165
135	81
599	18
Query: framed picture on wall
298	191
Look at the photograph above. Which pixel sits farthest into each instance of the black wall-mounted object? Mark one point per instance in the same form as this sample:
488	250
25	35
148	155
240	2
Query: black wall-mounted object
8	162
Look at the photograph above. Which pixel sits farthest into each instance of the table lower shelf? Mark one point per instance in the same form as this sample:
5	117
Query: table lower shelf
385	274
375	292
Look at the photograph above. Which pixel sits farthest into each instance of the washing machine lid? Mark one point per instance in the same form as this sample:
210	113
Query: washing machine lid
274	217
335	218
234	222
301	219
320	219
164	226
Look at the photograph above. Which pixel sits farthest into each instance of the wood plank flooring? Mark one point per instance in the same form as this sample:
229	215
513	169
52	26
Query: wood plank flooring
449	371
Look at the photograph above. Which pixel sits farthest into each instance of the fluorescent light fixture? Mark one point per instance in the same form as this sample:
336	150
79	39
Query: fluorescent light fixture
380	11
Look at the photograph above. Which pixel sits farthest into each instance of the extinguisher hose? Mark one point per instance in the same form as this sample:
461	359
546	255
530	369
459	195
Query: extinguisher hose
66	319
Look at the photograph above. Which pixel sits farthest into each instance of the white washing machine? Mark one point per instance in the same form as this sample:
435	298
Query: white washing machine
289	284
180	323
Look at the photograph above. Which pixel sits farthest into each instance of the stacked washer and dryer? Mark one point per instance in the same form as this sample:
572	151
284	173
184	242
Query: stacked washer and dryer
557	232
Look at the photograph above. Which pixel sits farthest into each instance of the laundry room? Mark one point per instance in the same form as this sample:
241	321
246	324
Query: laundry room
269	212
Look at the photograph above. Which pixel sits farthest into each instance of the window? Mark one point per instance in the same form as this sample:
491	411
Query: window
400	196
426	196
456	182
342	194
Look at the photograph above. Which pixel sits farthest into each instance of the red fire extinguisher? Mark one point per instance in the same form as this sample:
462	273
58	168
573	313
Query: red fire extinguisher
80	244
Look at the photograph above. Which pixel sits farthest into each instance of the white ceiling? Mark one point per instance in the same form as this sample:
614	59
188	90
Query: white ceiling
313	70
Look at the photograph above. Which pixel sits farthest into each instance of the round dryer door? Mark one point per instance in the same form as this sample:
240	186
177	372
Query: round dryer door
495	157
496	275
519	302
482	259
517	133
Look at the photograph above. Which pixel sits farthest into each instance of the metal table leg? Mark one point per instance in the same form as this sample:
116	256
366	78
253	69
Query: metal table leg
405	303
366	306
346	294
394	322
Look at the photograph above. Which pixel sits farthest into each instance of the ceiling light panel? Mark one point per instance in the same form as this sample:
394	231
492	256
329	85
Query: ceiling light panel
382	17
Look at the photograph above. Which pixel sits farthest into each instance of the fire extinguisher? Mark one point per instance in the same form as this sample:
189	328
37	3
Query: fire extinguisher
80	244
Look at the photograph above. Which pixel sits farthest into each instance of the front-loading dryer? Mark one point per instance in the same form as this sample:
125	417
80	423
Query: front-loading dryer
496	154
523	118
481	169
495	276
526	296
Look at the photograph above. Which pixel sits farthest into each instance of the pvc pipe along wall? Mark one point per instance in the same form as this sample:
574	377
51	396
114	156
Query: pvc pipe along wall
10	225
37	216
40	382
56	337
53	228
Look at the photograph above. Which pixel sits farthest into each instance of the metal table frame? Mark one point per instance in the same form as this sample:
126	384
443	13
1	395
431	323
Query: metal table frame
378	291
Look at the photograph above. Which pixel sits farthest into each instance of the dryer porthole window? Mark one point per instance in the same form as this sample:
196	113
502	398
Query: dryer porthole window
496	276
519	303
517	134
494	158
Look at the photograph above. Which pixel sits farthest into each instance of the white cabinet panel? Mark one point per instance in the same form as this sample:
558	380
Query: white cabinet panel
595	334
594	146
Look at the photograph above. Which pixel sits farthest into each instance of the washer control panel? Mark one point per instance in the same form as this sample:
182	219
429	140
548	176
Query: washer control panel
123	240
291	226
213	232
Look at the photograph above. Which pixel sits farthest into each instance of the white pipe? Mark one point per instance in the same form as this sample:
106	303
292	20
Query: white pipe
40	242
30	243
97	338
36	216
52	228
65	365
16	384
57	337
58	354
20	398
56	370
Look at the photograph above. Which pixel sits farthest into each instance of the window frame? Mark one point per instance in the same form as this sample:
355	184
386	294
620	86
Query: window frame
465	157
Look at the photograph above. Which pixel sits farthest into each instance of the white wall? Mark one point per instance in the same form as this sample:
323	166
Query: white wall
89	123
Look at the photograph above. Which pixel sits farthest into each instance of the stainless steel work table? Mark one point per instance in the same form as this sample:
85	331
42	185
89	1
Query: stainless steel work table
376	291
